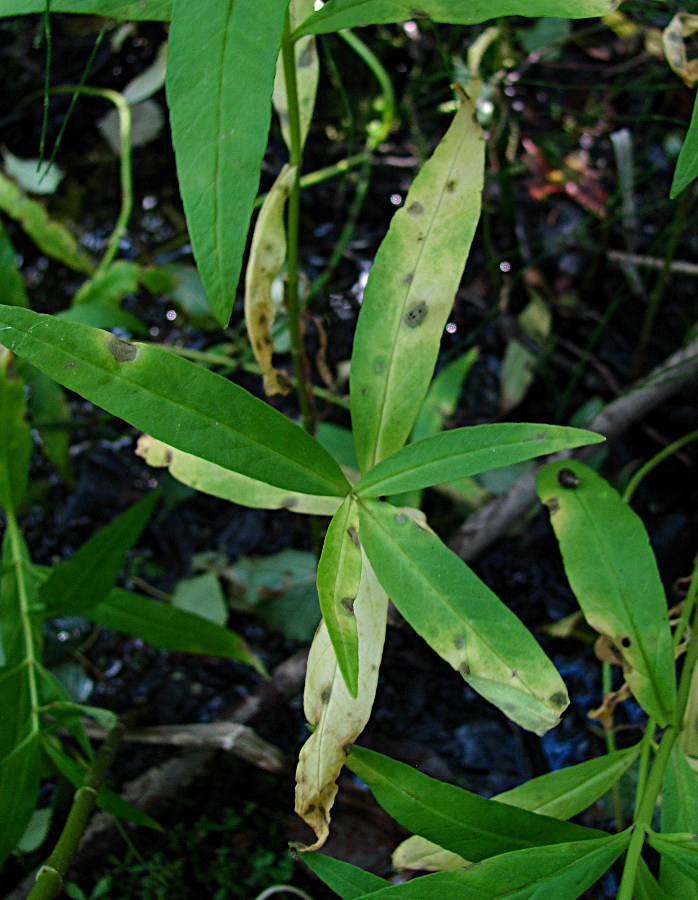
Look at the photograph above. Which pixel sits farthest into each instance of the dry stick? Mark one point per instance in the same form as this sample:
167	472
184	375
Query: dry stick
488	524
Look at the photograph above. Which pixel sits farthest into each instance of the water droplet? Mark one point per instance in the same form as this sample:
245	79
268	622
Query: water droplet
451	328
171	315
505	266
396	199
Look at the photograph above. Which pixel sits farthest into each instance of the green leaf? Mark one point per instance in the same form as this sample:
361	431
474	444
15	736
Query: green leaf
176	401
166	626
410	291
337	14
460	617
467	451
456	819
110	285
155	10
20	777
203	596
49	236
687	163
107	799
16	444
614	575
220	75
442	397
566	792
307	76
102	315
338	577
563	871
349	881
679	814
680	849
50	415
14	291
212	479
76	585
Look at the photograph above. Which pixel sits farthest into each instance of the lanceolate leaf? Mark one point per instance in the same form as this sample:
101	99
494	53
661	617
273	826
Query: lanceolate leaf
336	14
14	291
337	717
155	10
460	617
338	578
680	849
220	74
613	573
20	777
687	163
345	879
267	256
467	451
410	291
176	401
84	580
679	814
212	479
562	871
456	819
307	75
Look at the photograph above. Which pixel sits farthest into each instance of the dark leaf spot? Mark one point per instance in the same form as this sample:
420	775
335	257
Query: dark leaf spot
351	531
559	699
625	642
416	314
567	478
464	668
451	185
348	605
408	278
346	749
459	642
326	694
415	209
553	505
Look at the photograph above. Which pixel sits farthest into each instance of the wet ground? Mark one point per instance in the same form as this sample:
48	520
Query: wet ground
546	116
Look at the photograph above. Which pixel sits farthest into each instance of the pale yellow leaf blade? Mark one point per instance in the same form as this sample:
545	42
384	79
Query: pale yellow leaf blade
267	255
337	717
212	479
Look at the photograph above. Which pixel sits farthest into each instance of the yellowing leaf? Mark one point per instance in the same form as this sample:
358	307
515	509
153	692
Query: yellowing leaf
410	291
338	718
307	74
267	256
682	26
212	479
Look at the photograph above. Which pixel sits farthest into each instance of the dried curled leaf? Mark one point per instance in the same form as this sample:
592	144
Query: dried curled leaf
267	256
682	26
338	718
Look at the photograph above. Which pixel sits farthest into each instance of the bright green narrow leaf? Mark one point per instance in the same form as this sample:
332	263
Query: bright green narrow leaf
203	596
307	75
109	286
166	626
688	737
613	573
13	291
336	14
338	577
342	877
149	10
410	291
687	163
51	237
16	444
76	585
220	74
467	451
460	617
453	818
176	401
566	792
680	849
212	479
679	814
50	415
563	871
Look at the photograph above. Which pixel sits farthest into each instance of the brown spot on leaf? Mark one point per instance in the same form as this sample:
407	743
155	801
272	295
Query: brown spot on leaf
415	209
346	749
348	605
559	698
122	351
326	694
459	642
553	505
416	314
351	531
451	185
464	668
408	278
567	478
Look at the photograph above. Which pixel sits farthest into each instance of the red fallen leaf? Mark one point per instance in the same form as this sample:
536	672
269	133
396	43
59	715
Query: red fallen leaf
577	180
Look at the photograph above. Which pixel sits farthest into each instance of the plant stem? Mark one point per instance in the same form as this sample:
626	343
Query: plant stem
300	363
50	878
654	461
657	294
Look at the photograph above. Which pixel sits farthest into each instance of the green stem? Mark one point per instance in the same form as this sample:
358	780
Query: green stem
610	738
657	294
656	459
50	878
320	175
300	365
125	170
689	605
